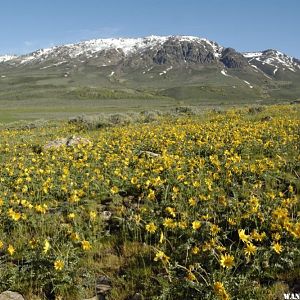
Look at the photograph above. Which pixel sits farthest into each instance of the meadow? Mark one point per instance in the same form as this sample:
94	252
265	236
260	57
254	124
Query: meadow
171	206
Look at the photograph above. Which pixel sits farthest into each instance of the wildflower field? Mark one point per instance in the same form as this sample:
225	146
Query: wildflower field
183	207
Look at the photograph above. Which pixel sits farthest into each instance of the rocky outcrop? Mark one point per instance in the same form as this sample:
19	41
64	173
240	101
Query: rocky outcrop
175	51
232	59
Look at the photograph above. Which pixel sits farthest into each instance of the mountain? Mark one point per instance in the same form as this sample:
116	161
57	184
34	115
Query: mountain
180	67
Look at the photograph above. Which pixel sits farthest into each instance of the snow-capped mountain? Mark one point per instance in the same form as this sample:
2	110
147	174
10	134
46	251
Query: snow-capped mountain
155	50
154	62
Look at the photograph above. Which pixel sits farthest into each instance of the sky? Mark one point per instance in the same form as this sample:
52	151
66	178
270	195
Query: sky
246	25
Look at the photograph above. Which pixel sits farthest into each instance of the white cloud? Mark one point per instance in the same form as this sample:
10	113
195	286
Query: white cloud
28	43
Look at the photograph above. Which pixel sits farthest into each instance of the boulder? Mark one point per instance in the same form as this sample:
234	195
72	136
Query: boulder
9	295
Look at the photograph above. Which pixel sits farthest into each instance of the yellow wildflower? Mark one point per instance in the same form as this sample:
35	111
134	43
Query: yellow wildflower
258	236
41	208
231	221
151	227
75	236
226	260
14	215
220	291
182	224
171	211
160	255
243	236
71	216
151	195
33	243
114	190
11	250
215	229
59	265
161	239
190	276
195	250
192	202
276	236
169	223
86	246
93	215
277	248
250	249
134	180
196	225
46	246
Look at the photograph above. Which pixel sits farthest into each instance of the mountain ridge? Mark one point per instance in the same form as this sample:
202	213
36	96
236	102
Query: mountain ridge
128	45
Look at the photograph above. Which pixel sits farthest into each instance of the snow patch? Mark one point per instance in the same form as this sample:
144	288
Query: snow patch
248	83
5	58
223	72
255	67
216	48
54	65
252	54
166	71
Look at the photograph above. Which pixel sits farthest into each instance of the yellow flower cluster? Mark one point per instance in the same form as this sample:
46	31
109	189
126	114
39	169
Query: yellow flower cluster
214	191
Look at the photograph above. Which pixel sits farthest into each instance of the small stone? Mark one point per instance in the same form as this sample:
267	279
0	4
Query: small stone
8	295
106	215
266	118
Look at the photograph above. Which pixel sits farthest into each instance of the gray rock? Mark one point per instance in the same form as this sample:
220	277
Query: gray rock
69	142
266	118
103	286
149	153
9	295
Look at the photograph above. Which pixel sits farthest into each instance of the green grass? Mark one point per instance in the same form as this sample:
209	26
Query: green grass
31	94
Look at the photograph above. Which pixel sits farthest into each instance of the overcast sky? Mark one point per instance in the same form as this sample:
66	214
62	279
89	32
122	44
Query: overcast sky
243	25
